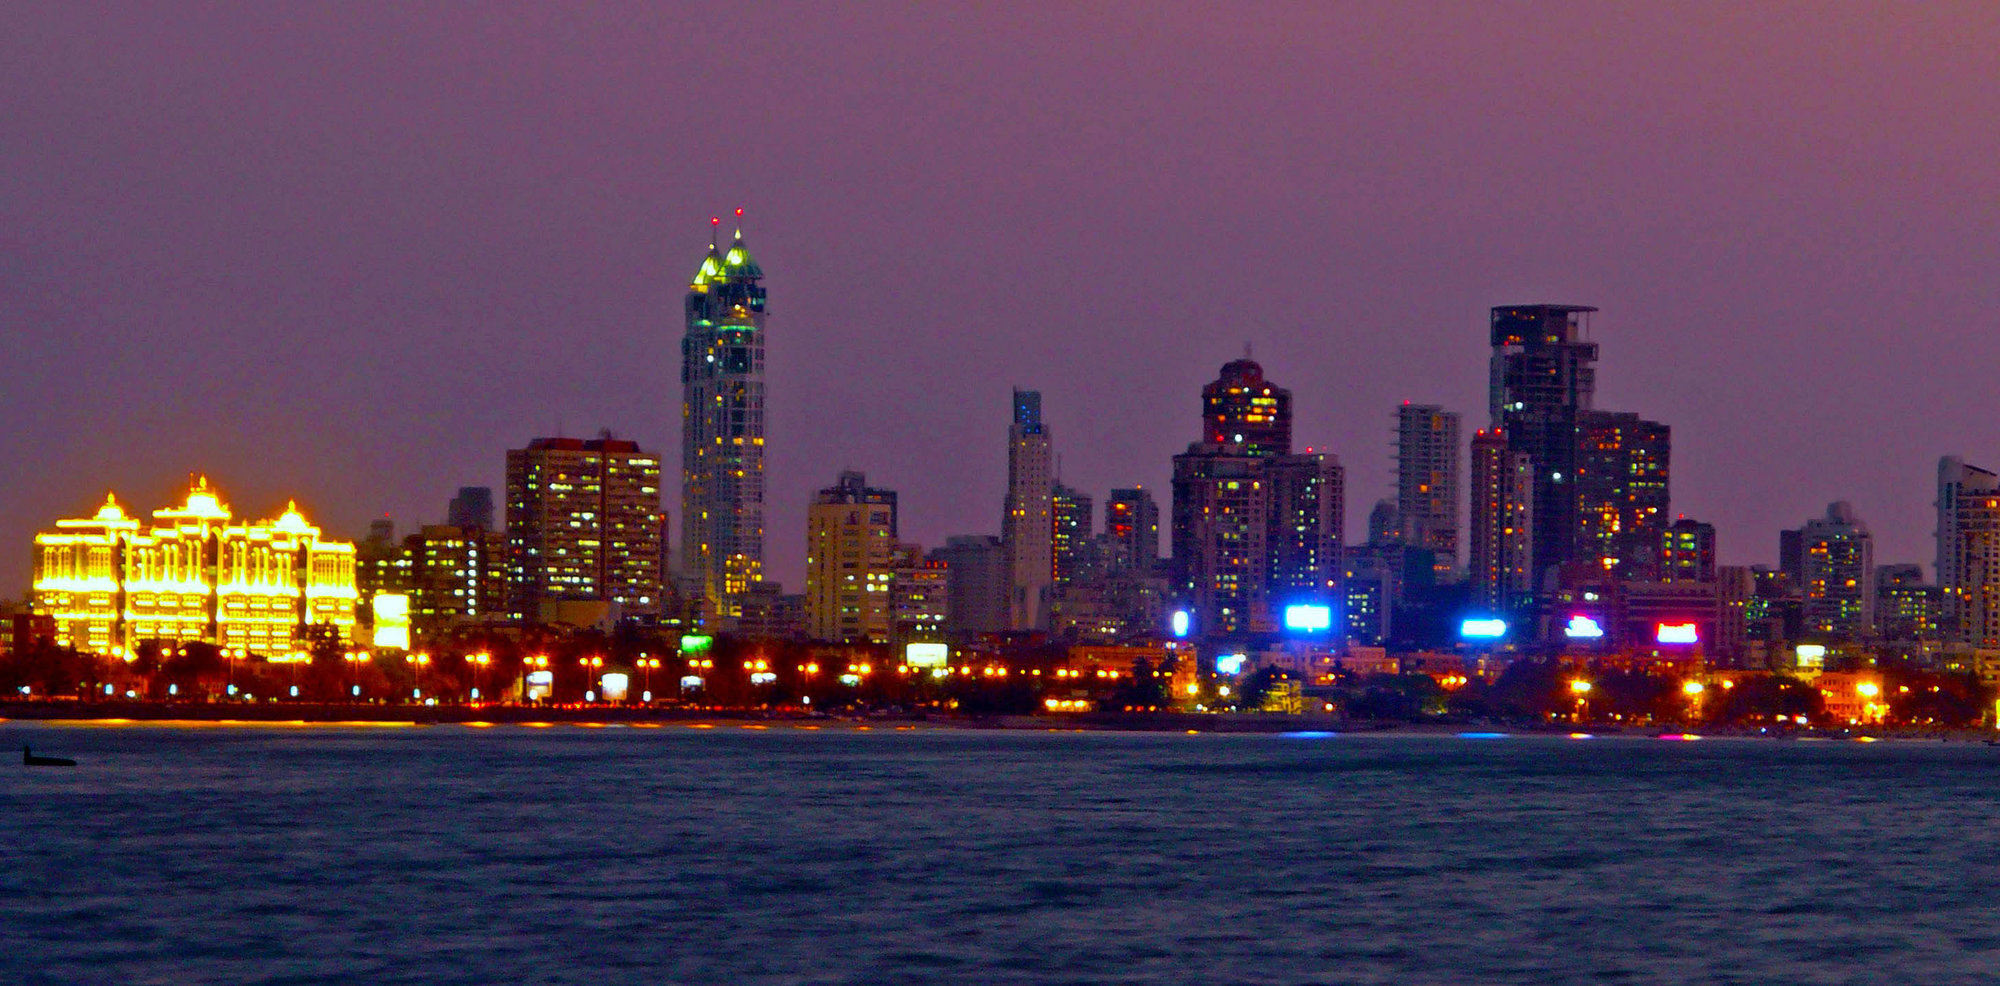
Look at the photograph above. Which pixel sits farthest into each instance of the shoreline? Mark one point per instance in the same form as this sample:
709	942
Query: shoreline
307	714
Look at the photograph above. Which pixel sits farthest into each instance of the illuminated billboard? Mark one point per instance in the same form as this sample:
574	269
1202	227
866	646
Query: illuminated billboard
540	685
1583	628
1676	633
1309	618
392	620
1483	629
1181	623
616	685
926	655
1811	656
696	643
1230	663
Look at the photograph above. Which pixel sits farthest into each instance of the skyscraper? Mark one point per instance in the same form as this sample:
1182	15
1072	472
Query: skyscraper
1838	558
1621	488
851	561
1427	480
1968	552
1028	524
1220	526
1241	408
583	525
722	430
1307	511
1070	512
1132	530
1502	523
1541	378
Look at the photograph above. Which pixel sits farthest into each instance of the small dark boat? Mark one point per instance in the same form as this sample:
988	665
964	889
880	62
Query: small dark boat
28	759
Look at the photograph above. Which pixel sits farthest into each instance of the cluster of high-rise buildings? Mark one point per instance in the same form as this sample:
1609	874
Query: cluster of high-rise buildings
1549	527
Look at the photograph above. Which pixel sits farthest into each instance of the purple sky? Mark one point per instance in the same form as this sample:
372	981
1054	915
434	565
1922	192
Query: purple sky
352	254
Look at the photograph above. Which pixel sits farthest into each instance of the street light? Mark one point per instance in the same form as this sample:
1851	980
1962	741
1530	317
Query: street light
647	665
421	661
1581	689
479	661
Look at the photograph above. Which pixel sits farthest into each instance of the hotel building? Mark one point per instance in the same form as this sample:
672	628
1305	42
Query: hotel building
194	572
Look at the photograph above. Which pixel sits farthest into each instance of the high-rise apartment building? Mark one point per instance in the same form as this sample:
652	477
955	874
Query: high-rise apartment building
976	584
1221	524
1243	409
1070	511
851	558
1542	378
1427	471
1838	561
583	525
1906	607
195	573
454	575
1132	530
1968	552
1687	552
722	430
1307	510
1028	522
1621	487
920	597
1502	523
1255	528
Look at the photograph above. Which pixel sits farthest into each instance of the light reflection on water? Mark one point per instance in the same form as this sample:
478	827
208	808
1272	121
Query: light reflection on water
476	855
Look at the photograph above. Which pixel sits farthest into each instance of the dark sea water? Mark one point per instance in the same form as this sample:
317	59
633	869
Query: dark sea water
451	854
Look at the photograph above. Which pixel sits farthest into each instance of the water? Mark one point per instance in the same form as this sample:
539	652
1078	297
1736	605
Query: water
570	855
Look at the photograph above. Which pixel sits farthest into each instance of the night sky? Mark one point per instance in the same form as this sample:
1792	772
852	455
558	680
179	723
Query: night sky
352	254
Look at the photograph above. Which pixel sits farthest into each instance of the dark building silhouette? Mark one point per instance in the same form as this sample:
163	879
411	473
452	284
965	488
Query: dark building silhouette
471	508
1542	378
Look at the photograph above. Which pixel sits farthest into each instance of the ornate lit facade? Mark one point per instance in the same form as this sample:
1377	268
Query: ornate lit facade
111	581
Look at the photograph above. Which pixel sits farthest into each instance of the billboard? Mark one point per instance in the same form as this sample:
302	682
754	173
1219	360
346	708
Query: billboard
392	620
616	685
1483	629
1676	633
1583	628
1308	618
926	655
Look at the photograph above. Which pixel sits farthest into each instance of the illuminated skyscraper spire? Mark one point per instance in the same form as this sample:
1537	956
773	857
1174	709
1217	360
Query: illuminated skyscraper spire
722	429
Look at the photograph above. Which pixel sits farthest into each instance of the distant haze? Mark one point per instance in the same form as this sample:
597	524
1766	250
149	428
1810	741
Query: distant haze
354	253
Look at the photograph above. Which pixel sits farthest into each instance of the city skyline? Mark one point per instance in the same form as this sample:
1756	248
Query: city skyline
443	327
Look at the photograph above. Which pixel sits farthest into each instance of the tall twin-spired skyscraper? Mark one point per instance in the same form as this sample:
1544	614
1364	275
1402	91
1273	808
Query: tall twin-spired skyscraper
722	430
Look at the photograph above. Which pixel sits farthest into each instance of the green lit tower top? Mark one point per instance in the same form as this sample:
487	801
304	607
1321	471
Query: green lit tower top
722	429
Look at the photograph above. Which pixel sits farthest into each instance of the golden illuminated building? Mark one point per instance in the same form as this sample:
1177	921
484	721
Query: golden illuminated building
111	580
